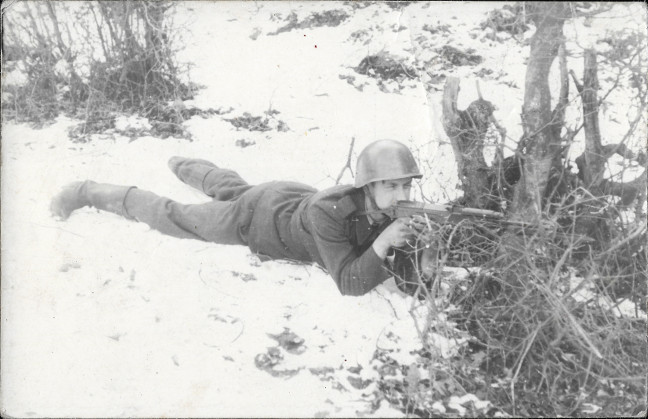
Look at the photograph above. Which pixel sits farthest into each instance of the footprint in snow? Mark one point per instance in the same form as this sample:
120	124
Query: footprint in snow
66	266
245	277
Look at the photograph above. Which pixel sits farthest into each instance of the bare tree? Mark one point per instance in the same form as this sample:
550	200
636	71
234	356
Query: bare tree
517	305
538	170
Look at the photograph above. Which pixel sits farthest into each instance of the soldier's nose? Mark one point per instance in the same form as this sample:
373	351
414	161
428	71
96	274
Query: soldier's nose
400	195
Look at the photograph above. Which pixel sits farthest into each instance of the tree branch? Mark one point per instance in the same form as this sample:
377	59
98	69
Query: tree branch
622	150
467	130
52	14
348	163
579	86
594	158
627	191
559	111
451	119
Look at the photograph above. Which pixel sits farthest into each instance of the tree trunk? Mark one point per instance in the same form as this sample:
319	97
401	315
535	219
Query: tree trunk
466	130
591	164
594	159
540	146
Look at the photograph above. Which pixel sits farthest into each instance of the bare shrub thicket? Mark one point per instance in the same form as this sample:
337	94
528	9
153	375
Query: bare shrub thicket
546	334
545	303
90	60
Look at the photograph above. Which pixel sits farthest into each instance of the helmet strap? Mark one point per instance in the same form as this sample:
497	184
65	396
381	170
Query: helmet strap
372	210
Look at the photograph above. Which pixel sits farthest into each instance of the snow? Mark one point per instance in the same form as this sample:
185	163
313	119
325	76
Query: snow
584	290
105	317
113	311
458	403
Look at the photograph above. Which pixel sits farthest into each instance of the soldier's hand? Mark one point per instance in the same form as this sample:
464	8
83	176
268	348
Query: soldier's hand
397	234
418	223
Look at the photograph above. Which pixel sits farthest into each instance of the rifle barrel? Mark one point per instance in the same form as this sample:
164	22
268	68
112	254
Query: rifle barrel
448	209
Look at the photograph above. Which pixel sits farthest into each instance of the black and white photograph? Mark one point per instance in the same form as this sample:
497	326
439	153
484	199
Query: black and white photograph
323	209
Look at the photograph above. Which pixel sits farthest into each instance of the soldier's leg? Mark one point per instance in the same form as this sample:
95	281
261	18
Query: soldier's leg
220	184
82	194
223	222
219	222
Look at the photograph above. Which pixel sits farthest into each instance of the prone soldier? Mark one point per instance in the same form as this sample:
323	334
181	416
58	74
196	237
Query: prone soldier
340	228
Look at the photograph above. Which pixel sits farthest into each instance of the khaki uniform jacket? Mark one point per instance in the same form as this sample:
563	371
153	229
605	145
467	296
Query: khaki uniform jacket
320	227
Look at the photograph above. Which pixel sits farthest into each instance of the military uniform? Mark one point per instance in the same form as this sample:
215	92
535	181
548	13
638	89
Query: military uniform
279	220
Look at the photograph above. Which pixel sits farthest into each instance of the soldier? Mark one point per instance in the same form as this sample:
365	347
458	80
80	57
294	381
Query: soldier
279	220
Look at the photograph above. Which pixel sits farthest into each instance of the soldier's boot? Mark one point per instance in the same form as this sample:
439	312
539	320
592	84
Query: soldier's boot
83	194
193	172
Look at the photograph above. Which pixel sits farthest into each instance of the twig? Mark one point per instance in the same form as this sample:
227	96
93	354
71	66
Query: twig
348	162
58	228
378	338
521	361
578	85
638	231
241	332
479	93
390	304
405	71
211	286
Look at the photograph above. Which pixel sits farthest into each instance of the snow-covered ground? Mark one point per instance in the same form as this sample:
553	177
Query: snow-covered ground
105	317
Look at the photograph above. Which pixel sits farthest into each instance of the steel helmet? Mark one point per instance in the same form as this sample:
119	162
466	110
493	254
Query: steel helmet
383	160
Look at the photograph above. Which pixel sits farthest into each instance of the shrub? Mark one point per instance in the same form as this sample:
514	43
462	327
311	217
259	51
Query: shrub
509	18
543	311
385	67
91	60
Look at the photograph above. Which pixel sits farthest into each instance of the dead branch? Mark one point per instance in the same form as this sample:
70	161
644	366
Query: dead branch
116	40
622	150
591	163
466	130
61	45
36	32
558	114
611	89
500	144
622	241
99	32
627	191
479	93
450	113
594	159
348	162
579	86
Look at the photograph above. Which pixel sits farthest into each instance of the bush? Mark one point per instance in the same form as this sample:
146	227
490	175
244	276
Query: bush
509	19
385	67
91	60
543	312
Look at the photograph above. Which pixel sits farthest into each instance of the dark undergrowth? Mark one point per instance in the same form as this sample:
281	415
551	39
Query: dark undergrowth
136	73
554	321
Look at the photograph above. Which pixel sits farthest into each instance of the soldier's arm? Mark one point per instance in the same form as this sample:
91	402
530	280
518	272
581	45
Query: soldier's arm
354	275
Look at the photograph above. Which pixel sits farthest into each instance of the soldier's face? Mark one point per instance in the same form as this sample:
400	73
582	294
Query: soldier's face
387	192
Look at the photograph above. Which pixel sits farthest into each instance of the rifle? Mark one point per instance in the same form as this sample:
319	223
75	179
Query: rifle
448	213
409	270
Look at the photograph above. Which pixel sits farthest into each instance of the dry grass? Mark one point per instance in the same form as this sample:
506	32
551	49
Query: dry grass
135	70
